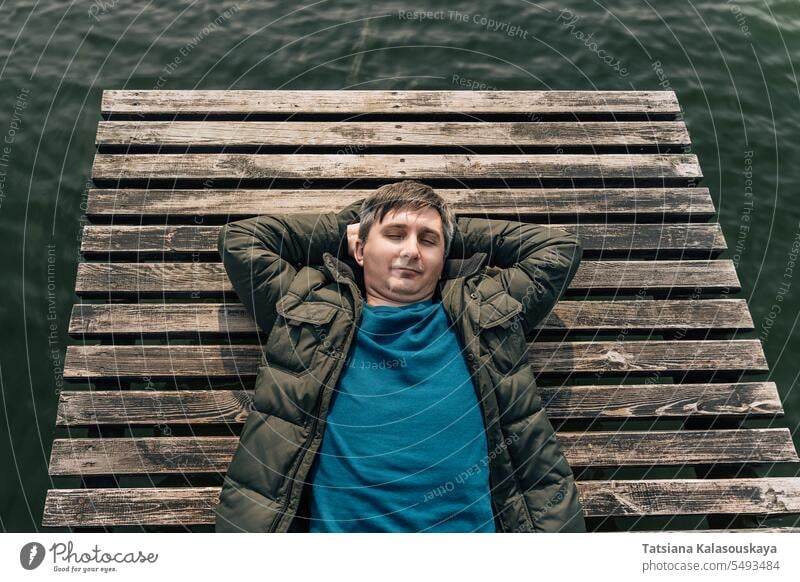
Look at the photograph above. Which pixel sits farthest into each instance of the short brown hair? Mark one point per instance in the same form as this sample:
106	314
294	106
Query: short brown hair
410	194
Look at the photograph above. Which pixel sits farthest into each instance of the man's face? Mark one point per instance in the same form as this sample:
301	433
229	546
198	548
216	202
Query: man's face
403	257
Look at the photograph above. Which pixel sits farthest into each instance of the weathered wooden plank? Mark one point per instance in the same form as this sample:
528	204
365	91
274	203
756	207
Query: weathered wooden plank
206	361
750	399
142	279
120	507
153	407
350	102
195	505
212	454
355	133
164	241
567	202
648	315
647	356
155	319
690	496
121	279
600	167
636	401
241	361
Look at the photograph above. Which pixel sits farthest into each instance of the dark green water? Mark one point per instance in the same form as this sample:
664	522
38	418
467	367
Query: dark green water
732	65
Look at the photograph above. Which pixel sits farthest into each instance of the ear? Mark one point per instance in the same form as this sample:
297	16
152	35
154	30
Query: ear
358	253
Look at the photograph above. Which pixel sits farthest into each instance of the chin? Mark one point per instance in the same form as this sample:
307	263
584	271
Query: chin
403	287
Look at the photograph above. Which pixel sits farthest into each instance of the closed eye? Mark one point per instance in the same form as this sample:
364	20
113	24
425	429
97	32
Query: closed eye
396	236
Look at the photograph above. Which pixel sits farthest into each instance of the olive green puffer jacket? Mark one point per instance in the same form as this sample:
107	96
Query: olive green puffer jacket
293	275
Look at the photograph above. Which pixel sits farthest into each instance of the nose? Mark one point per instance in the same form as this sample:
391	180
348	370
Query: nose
410	249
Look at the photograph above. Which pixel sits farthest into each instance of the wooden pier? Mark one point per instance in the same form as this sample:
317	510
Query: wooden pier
647	367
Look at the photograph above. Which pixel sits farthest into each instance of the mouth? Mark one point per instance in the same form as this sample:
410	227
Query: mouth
406	270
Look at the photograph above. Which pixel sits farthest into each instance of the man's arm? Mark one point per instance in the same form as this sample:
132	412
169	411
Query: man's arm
537	262
262	254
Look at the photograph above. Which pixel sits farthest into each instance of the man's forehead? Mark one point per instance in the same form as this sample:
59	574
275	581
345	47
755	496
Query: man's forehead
425	218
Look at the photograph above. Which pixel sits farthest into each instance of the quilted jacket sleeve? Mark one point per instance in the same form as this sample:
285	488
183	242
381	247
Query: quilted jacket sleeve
263	254
536	262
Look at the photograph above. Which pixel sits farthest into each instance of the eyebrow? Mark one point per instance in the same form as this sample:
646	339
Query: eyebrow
424	229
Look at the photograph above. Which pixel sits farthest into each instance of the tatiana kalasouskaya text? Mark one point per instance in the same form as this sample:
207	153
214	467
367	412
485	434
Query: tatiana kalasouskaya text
702	548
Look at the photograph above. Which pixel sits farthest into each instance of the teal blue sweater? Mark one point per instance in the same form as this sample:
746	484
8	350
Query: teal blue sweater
405	447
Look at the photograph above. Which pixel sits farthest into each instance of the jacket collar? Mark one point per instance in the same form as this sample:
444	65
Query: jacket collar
453	268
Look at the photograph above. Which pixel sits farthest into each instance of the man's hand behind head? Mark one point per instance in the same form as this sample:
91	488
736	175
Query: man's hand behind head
352	236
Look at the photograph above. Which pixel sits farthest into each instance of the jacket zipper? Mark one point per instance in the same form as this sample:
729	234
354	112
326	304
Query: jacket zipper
313	431
476	385
306	446
491	477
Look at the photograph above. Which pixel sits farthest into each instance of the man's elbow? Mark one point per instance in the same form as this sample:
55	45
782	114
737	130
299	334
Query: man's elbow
236	236
232	239
569	244
222	238
576	253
